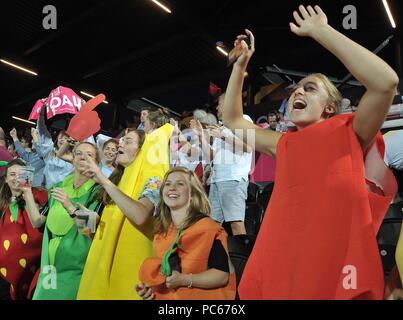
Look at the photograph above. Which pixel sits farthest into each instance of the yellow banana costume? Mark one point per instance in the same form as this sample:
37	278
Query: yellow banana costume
119	246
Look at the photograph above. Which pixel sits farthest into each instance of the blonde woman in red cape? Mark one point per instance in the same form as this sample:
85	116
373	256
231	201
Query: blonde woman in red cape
191	256
318	236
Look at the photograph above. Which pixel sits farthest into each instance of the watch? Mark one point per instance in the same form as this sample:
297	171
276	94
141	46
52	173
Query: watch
73	215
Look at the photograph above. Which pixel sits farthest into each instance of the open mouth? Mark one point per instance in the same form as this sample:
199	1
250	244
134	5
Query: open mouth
299	104
173	196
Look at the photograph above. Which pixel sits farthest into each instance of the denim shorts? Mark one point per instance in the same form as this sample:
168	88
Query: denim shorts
228	199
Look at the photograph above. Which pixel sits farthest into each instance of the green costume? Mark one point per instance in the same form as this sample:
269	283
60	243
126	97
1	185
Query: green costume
64	249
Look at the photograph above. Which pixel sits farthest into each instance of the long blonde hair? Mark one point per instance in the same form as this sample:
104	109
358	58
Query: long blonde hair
335	97
198	209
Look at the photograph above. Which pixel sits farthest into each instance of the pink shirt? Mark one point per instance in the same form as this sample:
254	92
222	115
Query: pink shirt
264	170
265	166
4	156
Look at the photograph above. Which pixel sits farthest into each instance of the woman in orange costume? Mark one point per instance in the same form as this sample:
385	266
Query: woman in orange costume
318	237
191	249
20	238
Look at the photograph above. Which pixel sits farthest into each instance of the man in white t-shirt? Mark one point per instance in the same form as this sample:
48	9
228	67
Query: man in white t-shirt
231	164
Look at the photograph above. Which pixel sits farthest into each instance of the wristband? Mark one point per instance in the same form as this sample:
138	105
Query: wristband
73	215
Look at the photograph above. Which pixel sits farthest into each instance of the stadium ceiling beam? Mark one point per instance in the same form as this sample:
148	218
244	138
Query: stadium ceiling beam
137	54
220	8
190	23
185	81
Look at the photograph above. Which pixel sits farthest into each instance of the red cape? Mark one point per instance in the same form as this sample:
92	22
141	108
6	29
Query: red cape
318	236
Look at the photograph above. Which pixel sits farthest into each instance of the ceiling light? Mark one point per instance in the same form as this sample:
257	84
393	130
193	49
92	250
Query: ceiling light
392	21
91	96
225	53
162	6
18	67
20	119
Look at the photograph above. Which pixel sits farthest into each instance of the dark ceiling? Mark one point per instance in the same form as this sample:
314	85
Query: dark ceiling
129	49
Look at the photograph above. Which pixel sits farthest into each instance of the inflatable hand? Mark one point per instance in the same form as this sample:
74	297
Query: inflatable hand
86	122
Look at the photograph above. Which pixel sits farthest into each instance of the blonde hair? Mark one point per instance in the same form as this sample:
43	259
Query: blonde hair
198	209
335	97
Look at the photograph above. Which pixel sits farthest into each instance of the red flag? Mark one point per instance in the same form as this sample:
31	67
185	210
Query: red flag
61	100
199	171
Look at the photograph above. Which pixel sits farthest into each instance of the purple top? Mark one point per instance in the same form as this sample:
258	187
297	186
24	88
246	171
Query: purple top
4	156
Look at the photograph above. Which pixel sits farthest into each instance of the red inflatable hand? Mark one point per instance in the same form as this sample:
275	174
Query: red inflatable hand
86	122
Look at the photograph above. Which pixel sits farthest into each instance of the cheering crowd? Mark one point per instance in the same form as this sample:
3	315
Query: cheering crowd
139	216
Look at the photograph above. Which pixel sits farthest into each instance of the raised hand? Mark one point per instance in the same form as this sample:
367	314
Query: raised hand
308	21
174	123
13	134
35	135
218	132
242	52
181	138
26	191
196	126
71	142
177	131
93	170
65	146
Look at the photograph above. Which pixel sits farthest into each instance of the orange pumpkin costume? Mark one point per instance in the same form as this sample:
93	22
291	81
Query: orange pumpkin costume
195	243
321	223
